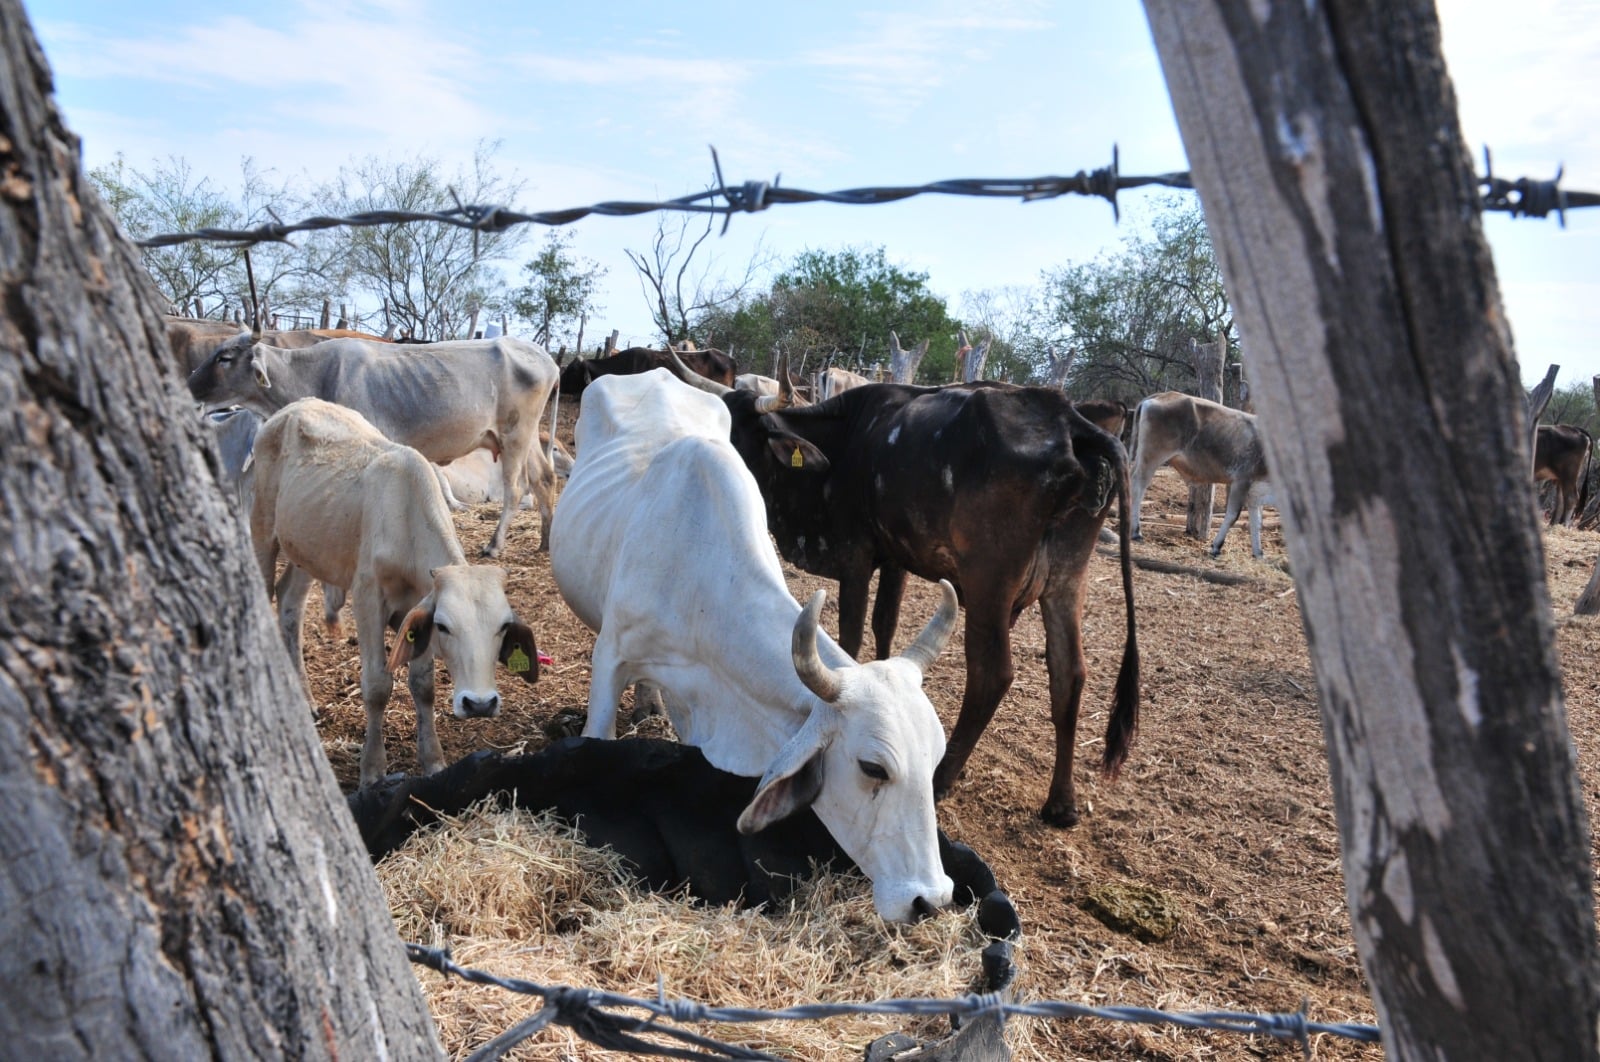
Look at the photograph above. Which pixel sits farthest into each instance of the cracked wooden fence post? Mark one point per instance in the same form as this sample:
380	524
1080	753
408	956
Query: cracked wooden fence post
179	875
1341	200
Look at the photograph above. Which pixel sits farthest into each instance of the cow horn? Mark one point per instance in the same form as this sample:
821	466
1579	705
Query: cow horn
936	635
818	677
785	396
694	379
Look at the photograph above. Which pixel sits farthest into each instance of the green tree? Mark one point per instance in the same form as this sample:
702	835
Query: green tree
559	292
1130	315
850	300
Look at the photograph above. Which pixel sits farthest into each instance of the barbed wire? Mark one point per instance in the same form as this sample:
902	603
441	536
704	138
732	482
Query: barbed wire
748	197
1524	197
588	1012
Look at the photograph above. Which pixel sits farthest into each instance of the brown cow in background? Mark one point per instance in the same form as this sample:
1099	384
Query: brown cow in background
1561	455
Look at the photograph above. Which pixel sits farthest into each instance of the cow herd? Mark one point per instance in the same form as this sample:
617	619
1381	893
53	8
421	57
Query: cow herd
688	484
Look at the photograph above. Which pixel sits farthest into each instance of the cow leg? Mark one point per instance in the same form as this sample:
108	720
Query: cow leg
606	682
647	701
1143	472
377	685
450	499
853	612
419	677
540	476
886	609
513	459
1255	526
1063	641
1237	492
989	675
292	588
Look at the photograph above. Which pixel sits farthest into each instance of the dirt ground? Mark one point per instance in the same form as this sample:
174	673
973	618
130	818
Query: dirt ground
1224	806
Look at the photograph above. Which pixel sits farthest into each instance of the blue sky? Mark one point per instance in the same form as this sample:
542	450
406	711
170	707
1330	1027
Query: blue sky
619	101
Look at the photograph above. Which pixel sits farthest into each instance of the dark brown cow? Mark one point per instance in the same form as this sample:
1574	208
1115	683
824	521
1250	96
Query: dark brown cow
712	364
1000	489
1561	455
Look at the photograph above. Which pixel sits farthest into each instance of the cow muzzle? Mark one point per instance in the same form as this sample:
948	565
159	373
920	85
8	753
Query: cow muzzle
471	706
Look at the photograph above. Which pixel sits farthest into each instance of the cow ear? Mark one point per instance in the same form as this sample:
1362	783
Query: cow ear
518	653
415	633
258	369
791	783
796	453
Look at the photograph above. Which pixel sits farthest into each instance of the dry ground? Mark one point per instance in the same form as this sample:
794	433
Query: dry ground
1225	804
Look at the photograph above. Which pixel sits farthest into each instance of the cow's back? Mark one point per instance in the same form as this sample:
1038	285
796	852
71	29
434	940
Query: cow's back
933	461
626	467
328	479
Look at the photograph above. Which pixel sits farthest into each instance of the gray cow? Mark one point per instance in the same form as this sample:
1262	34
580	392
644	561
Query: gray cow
1205	443
443	399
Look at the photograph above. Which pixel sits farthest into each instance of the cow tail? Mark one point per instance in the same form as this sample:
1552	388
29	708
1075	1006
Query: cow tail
1124	722
555	407
1583	480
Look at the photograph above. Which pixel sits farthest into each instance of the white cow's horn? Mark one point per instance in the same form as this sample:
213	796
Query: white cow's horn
785	396
694	379
818	677
936	635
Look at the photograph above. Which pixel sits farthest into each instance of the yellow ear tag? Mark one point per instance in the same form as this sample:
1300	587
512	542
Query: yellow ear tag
518	661
795	460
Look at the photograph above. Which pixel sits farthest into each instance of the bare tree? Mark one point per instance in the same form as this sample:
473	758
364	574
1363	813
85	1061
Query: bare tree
1324	142
680	280
181	878
431	278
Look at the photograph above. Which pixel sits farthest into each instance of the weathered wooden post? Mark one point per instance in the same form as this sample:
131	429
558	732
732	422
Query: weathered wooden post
327	312
182	878
1341	201
1060	365
902	362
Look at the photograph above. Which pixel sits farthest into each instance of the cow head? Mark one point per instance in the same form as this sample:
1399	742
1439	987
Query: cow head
470	625
576	376
233	374
863	762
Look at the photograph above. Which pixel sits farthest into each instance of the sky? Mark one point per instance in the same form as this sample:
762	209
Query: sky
621	100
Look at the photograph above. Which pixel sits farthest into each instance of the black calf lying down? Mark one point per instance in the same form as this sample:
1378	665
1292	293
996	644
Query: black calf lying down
663	808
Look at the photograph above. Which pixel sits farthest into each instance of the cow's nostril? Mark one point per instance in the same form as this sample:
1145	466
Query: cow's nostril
481	706
921	908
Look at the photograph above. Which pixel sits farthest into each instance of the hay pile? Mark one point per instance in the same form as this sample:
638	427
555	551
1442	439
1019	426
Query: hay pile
520	895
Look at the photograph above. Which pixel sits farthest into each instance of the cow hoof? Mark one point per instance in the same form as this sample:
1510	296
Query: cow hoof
1060	817
1136	536
489	551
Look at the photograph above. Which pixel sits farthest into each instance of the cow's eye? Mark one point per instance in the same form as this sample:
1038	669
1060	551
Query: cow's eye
875	771
441	628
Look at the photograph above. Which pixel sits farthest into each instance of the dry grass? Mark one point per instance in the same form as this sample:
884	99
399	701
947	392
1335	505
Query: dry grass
520	895
1224	806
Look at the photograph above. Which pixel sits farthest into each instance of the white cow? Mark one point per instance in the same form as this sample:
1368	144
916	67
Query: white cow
1205	443
345	505
660	546
444	399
